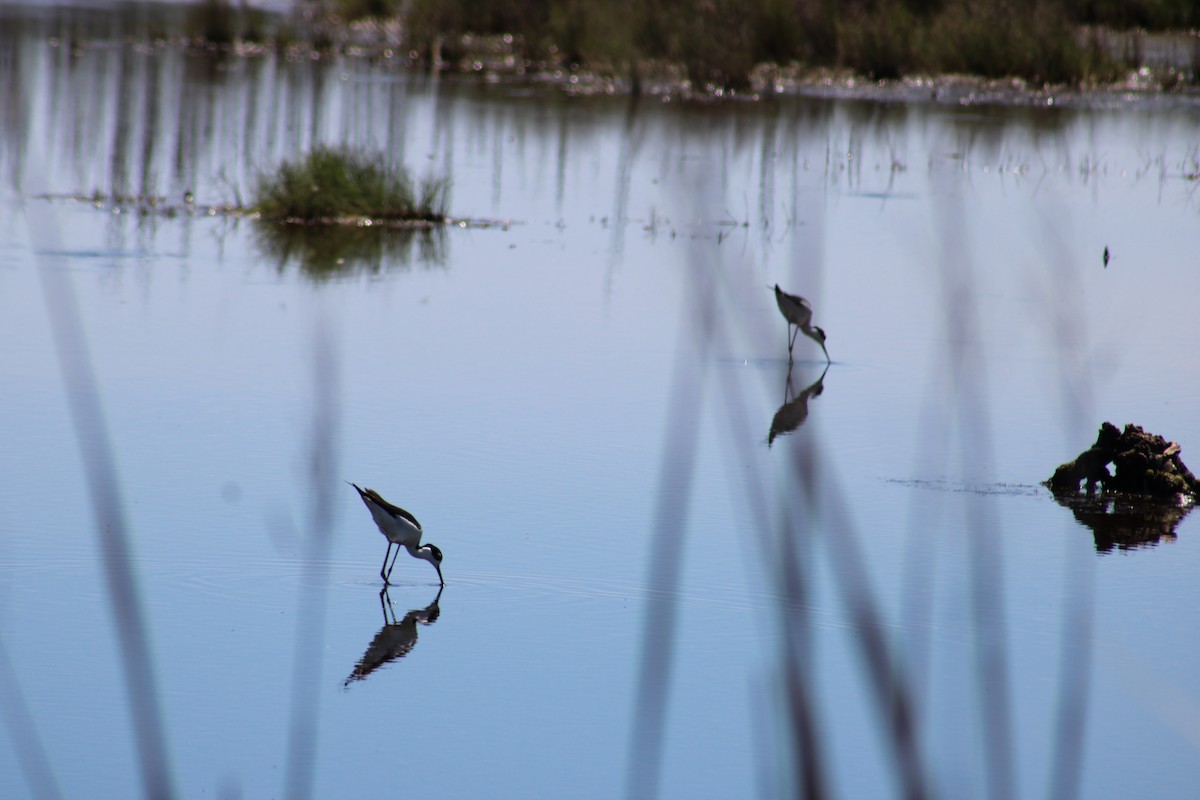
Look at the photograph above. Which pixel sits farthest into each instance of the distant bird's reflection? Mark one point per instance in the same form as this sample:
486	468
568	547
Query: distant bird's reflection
1123	523
794	411
395	639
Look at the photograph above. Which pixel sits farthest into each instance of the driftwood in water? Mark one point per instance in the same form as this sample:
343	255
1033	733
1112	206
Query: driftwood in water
1145	464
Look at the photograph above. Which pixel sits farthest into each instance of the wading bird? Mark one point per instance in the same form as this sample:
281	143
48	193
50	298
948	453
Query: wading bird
402	529
798	312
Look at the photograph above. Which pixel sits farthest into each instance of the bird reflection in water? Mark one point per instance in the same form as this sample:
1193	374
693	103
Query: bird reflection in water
395	639
1124	523
794	411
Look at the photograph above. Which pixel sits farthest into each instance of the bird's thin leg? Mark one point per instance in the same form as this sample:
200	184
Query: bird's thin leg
792	341
383	595
393	561
382	574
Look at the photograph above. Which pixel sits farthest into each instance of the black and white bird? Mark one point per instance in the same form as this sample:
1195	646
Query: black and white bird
401	529
798	312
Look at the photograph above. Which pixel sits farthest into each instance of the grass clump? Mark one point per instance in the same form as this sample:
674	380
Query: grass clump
335	184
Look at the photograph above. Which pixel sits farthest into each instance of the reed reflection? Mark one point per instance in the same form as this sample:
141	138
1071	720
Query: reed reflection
395	639
794	411
1124	524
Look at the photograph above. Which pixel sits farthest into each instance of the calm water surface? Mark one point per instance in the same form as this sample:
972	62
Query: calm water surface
578	405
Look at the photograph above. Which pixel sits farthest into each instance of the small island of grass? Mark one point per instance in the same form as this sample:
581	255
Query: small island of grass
332	185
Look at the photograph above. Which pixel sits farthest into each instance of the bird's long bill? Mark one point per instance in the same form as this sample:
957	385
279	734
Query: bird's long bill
438	567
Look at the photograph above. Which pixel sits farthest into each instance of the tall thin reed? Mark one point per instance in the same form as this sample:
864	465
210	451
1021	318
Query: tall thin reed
98	456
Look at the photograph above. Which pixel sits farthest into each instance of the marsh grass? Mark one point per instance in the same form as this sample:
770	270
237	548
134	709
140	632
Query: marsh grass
1034	41
361	9
222	23
719	43
214	21
335	184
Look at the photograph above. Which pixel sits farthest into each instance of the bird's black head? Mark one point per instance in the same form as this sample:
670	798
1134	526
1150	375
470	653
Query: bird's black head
820	333
435	558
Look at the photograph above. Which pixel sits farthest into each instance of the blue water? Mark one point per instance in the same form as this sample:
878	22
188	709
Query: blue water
531	391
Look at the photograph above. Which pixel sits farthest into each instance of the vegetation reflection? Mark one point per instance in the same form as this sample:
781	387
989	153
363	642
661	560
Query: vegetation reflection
333	251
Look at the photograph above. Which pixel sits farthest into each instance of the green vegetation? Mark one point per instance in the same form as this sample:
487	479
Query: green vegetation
1154	15
336	184
359	9
719	44
220	23
214	21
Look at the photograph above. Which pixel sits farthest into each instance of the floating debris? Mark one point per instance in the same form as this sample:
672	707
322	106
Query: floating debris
1146	465
1141	503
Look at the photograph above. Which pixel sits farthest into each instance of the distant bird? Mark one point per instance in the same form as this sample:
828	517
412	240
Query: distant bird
401	528
1106	257
798	312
